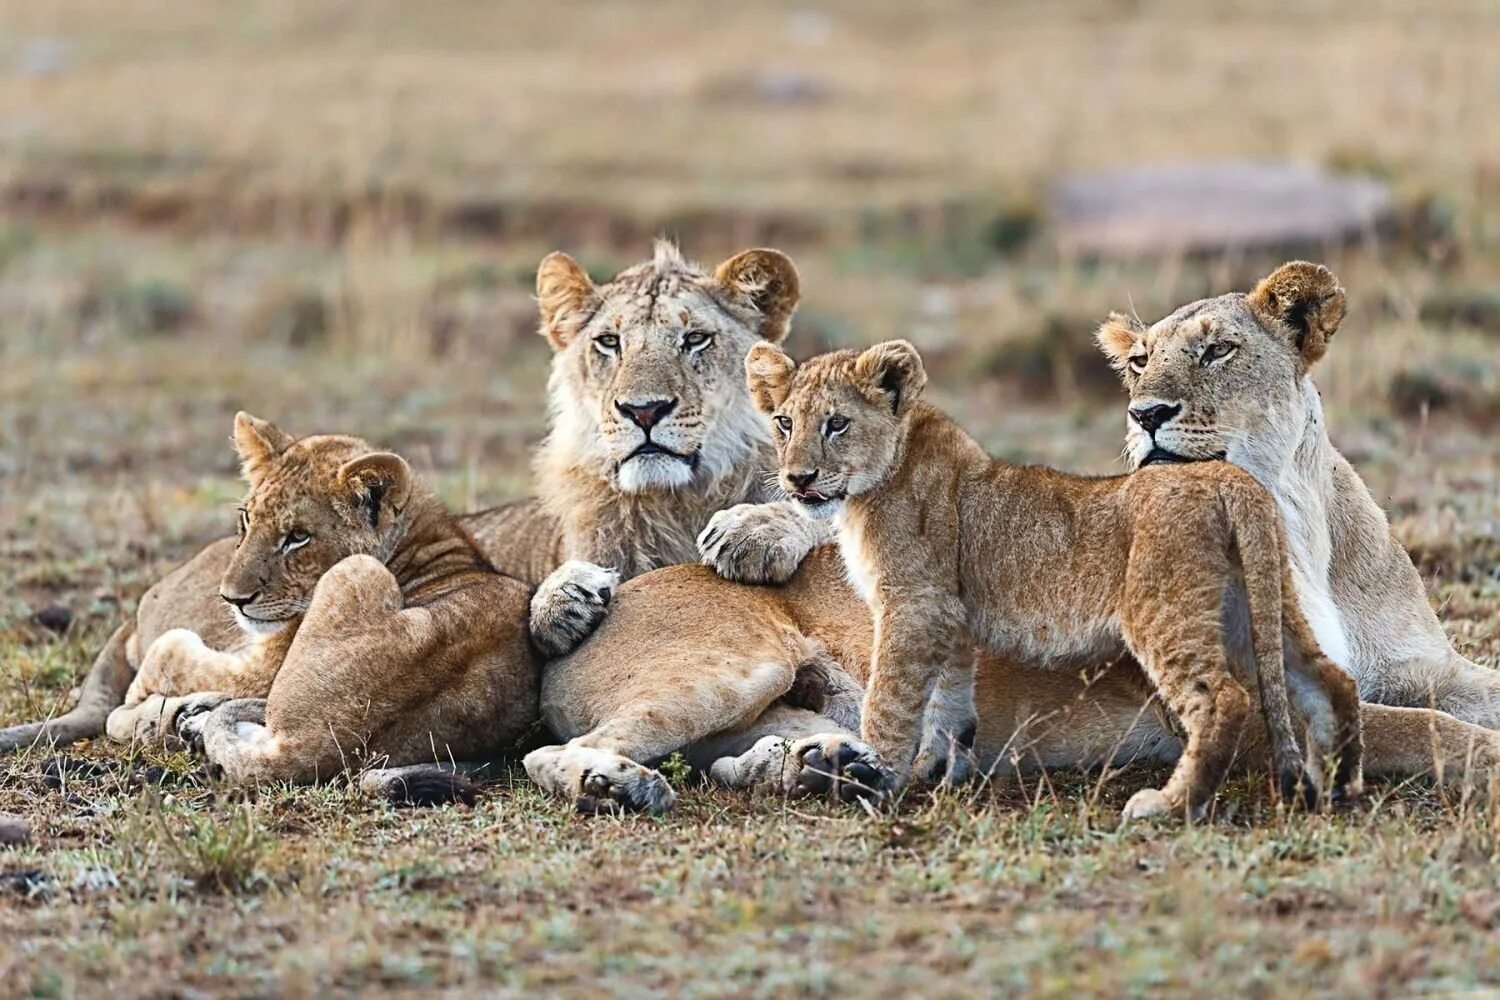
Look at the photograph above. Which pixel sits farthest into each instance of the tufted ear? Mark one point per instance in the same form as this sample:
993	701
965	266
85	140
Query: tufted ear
378	482
259	443
565	297
1306	300
1117	337
766	280
895	369
768	373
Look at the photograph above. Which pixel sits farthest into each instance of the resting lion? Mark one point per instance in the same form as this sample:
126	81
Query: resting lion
355	605
1028	717
651	432
1183	568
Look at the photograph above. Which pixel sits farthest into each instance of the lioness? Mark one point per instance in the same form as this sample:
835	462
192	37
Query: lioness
651	432
367	617
951	547
1230	377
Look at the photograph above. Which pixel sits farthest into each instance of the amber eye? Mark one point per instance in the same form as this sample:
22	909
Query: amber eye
295	539
1137	363
784	424
696	340
607	343
836	425
244	522
1218	352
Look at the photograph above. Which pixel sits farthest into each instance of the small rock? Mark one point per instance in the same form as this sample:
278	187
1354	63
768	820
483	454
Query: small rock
54	617
14	830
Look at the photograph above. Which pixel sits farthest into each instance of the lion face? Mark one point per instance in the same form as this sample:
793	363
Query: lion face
646	382
1224	377
311	504
837	419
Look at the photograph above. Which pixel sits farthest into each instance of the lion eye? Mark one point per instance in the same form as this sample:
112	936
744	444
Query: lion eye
836	425
244	522
1218	352
607	344
784	424
295	539
1137	363
696	340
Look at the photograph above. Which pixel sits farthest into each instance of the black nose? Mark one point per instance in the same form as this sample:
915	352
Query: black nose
648	414
239	602
802	480
1152	417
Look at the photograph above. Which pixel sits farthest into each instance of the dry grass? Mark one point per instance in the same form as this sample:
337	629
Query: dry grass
329	213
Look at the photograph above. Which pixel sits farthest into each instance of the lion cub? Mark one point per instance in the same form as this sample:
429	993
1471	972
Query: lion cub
1180	566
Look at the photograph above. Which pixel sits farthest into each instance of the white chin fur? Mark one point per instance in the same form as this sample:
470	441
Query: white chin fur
256	626
826	511
652	473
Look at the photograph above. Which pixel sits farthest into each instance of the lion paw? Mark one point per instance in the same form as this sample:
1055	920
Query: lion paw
839	766
599	781
569	605
939	766
1146	804
192	715
757	543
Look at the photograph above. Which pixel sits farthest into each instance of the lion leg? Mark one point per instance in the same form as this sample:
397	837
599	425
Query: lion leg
103	690
569	605
1413	742
1186	662
948	729
599	769
792	751
1466	690
305	730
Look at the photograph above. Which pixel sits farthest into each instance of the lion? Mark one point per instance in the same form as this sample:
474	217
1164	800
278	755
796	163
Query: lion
355	605
651	433
1029	718
950	547
1230	377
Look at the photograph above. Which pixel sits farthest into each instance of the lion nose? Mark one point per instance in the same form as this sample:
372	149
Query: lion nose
237	601
648	414
802	480
1152	417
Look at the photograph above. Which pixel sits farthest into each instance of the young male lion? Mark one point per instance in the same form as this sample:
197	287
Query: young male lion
952	547
355	605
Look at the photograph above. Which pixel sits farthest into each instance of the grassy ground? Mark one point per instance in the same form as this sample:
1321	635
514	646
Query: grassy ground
329	214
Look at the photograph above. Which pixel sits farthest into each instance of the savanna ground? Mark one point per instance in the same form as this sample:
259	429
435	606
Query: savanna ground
329	214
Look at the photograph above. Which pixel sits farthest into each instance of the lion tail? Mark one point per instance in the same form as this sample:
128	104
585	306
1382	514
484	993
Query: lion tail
103	691
422	784
1256	529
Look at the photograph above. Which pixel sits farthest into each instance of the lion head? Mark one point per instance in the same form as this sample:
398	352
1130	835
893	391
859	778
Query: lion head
312	502
647	389
1226	377
838	418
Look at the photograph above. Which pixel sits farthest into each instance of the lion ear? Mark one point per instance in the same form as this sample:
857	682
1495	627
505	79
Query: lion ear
894	369
379	481
767	281
259	443
1305	299
768	373
565	297
1117	337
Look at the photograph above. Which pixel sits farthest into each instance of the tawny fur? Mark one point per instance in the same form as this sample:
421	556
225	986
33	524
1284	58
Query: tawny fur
1037	566
664	331
367	618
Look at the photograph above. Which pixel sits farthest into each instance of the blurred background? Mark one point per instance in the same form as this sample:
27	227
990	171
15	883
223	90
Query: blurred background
330	213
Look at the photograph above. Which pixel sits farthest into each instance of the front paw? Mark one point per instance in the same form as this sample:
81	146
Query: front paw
192	715
569	605
756	543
